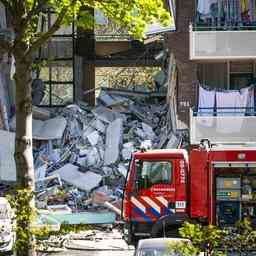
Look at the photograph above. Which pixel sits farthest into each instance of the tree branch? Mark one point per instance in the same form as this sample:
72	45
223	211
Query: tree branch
47	35
36	9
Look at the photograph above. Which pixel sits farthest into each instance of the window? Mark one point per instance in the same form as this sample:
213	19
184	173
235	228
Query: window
56	63
238	81
151	173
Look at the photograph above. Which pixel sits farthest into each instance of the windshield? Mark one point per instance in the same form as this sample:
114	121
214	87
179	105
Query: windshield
157	252
151	173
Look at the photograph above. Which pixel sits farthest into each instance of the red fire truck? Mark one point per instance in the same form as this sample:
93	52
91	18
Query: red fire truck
164	188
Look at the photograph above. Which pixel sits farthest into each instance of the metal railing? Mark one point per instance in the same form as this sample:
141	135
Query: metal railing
243	111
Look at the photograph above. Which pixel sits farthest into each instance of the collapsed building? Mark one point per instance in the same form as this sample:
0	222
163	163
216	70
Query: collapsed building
83	136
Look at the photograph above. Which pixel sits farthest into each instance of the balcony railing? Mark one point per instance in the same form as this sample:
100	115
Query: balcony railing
216	43
223	126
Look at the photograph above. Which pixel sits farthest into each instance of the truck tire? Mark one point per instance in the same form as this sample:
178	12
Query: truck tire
169	223
131	239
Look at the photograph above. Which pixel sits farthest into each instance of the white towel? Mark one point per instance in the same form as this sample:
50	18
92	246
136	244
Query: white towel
206	100
232	100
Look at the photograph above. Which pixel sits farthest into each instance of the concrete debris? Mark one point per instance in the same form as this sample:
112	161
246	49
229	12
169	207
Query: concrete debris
41	113
50	129
84	181
81	155
99	126
114	139
148	131
122	169
127	150
93	138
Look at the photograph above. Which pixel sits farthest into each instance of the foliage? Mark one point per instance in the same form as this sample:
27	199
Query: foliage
241	238
134	15
24	215
204	239
184	248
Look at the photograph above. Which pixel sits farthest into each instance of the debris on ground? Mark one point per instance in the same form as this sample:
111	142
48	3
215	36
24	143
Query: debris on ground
81	154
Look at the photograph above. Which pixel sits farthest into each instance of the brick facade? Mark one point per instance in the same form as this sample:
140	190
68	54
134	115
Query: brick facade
178	43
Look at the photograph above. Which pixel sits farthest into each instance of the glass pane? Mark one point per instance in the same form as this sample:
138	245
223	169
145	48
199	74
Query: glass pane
152	173
46	98
62	94
62	71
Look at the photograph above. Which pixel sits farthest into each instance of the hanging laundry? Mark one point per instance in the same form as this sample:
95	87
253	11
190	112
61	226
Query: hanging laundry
206	106
230	104
206	102
251	10
250	102
204	6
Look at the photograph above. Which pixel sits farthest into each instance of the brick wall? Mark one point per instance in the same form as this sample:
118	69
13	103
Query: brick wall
178	43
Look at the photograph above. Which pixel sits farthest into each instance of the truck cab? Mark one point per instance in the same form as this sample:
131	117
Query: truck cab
156	196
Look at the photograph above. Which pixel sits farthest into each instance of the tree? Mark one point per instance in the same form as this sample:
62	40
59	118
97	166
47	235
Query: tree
24	16
203	239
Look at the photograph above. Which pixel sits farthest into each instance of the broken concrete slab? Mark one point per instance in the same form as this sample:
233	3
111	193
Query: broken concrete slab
99	126
140	133
122	169
128	149
112	100
41	113
93	157
84	181
148	130
104	114
114	138
93	138
50	129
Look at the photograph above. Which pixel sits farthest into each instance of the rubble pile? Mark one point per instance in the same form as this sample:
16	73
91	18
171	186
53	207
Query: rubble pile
82	154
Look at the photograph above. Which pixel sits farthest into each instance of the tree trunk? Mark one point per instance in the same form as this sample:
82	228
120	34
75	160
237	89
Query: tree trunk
23	140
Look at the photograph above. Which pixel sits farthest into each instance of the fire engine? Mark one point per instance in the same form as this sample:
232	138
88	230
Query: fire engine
212	184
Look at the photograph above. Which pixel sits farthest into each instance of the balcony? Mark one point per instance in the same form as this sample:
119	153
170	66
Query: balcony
228	128
224	44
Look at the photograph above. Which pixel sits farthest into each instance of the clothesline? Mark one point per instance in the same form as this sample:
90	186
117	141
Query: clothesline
217	89
227	12
237	102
